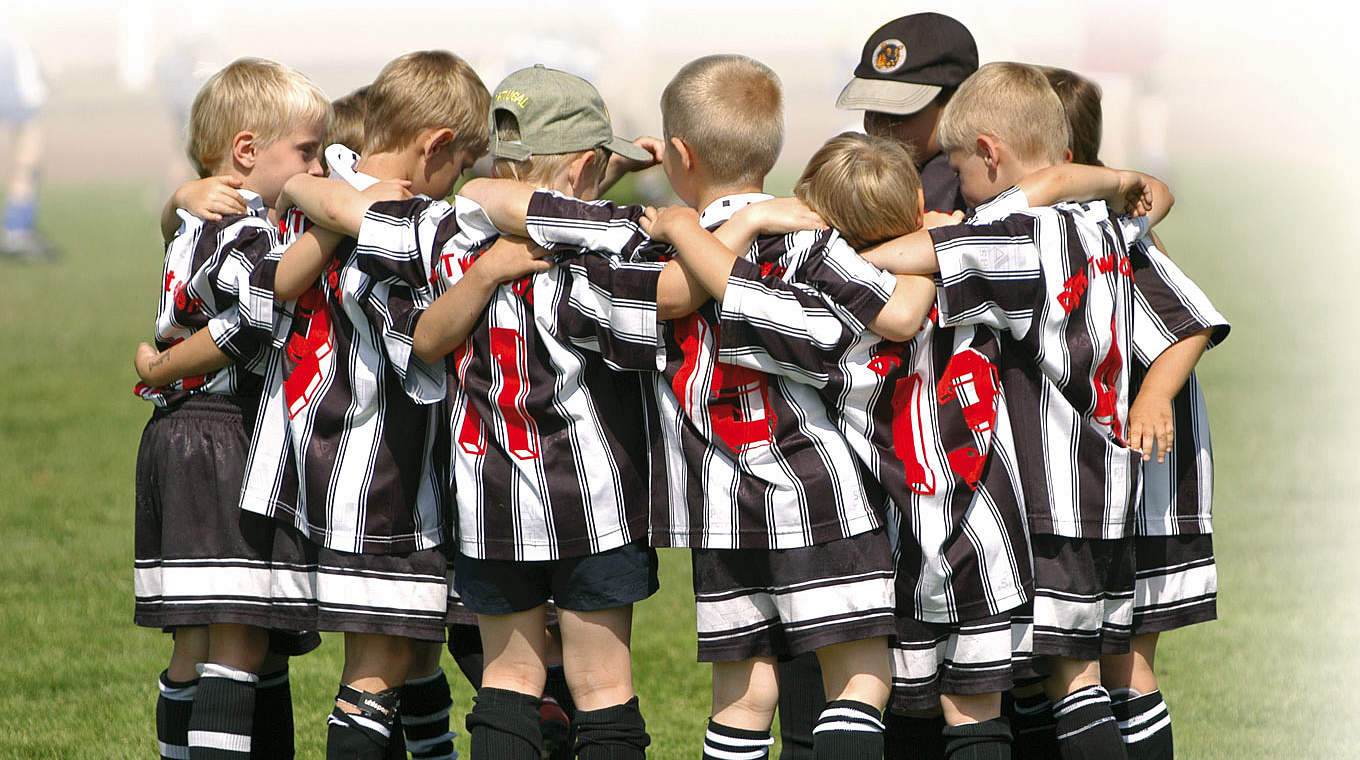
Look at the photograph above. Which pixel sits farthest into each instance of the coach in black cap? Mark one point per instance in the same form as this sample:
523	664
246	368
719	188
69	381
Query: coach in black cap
908	71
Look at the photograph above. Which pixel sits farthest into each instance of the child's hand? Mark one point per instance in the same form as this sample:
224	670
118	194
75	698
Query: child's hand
1133	196
662	225
211	198
935	219
142	360
650	144
510	258
1151	420
780	216
387	190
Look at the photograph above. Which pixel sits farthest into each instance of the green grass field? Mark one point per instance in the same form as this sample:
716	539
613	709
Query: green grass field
1272	678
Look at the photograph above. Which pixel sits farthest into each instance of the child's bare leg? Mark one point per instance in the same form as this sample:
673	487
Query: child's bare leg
21	197
961	709
504	722
745	696
363	724
425	704
1143	718
1086	724
599	670
191	648
223	721
856	676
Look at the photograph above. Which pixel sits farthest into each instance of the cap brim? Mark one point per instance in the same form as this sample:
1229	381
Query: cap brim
628	150
883	95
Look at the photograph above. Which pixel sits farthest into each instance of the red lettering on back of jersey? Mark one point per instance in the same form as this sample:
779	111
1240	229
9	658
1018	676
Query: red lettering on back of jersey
909	434
1105	384
306	350
507	348
972	380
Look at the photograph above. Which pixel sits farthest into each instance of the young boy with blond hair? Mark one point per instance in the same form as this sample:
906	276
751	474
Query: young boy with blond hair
790	553
1056	283
203	570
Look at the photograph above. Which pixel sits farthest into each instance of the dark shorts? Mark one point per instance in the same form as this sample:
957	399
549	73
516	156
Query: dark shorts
1083	597
1176	583
199	559
610	579
402	595
782	603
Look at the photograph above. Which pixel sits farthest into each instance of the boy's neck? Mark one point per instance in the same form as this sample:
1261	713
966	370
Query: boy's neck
705	196
390	165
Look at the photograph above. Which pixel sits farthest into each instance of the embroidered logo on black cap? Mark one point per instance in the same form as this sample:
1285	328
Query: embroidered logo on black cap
889	56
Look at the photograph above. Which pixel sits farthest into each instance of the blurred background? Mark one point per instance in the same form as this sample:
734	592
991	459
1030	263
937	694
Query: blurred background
1245	109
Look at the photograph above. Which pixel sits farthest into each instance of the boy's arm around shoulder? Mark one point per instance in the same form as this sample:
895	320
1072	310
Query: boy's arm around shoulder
1125	192
336	205
193	356
209	199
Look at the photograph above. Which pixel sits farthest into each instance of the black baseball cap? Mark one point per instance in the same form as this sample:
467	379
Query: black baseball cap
907	62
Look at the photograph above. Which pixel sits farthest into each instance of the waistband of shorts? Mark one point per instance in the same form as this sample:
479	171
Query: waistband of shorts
212	405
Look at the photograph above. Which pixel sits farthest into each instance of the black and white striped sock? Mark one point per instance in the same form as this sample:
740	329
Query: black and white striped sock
370	734
1145	725
425	705
173	708
848	729
1086	726
224	713
727	743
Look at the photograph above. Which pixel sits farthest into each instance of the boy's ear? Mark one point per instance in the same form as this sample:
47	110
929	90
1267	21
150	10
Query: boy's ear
243	149
1067	157
989	150
436	141
582	169
683	152
920	204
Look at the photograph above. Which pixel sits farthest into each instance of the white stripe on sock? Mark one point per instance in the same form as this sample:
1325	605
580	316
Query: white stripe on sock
1139	736
174	751
1085	727
416	720
737	741
1079	699
416	746
219	740
851	713
1136	721
370	724
846	725
213	670
723	754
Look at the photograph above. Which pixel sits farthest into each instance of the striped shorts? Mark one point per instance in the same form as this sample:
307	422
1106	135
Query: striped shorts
783	603
976	657
390	594
1083	597
1176	582
199	559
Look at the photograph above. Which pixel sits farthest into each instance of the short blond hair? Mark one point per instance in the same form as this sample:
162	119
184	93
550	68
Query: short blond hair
347	126
864	186
428	89
729	109
1012	102
541	168
250	95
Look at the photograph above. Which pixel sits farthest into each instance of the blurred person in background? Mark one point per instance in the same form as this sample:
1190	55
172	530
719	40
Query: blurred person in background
22	93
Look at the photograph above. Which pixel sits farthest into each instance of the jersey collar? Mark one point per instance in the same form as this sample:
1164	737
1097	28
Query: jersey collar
254	203
723	208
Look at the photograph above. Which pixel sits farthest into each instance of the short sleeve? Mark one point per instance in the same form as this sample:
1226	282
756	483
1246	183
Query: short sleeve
854	289
990	274
611	308
240	280
1168	305
554	219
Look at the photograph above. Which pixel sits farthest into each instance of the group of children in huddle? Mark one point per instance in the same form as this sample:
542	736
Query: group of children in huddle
918	449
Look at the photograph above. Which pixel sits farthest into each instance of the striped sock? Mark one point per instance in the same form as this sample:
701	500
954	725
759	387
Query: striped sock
224	711
425	704
173	708
1145	725
1086	726
988	740
848	729
1035	734
727	743
369	734
272	735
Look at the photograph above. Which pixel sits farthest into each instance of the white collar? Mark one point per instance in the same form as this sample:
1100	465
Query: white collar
254	203
723	208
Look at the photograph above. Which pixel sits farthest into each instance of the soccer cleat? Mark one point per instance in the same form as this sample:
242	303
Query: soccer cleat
556	728
26	245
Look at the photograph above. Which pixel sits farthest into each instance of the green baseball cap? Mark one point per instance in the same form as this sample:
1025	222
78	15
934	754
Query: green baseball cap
557	112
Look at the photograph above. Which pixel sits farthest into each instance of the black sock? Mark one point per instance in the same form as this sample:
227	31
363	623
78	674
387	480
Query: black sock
1036	736
224	712
988	740
465	644
556	687
848	729
503	725
612	733
174	705
272	735
1146	727
366	735
425	704
722	742
801	700
909	738
1086	726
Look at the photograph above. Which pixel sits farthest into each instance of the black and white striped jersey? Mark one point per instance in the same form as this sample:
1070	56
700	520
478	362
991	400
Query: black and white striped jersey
549	449
740	459
219	275
1056	283
351	408
928	418
1169	306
